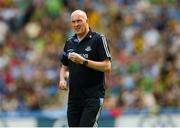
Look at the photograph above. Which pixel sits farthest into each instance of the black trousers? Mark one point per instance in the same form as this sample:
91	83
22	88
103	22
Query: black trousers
84	112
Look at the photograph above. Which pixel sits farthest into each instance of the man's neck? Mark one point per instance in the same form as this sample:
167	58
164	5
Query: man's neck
83	36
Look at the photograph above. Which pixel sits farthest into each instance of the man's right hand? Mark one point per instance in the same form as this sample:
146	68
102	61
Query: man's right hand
63	85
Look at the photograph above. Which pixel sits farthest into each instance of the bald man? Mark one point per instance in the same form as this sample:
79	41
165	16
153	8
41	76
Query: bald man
86	58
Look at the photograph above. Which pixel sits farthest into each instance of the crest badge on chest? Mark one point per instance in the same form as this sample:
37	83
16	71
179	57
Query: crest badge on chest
88	48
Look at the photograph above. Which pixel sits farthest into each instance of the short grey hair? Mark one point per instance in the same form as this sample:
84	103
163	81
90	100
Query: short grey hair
80	12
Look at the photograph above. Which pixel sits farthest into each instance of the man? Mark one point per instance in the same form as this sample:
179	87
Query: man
86	56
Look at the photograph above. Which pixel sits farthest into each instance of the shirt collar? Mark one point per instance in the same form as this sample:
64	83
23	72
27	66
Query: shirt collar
88	36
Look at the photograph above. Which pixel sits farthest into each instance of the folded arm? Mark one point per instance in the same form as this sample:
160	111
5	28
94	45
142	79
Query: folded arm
103	66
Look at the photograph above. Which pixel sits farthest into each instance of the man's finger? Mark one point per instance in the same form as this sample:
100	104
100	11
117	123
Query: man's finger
65	87
62	87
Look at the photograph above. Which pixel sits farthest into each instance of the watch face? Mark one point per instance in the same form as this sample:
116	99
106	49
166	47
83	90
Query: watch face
85	62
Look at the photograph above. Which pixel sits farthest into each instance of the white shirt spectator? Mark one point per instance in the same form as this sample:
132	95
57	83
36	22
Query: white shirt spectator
3	31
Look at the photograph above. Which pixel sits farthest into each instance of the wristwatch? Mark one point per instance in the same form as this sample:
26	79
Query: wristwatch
85	62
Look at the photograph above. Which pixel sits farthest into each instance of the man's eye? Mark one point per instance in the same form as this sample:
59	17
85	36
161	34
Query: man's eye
77	21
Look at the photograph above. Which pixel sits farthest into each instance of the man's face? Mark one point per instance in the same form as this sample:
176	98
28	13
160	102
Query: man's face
79	24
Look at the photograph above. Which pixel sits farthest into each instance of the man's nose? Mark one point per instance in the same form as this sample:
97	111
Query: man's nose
76	23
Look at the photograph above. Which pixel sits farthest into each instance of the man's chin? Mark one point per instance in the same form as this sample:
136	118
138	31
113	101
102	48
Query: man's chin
78	32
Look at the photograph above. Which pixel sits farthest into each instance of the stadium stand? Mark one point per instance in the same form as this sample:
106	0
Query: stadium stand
144	40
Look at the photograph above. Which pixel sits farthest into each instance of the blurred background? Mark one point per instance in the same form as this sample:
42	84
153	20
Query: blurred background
143	88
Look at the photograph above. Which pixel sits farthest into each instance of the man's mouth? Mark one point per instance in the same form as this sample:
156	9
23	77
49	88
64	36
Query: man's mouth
77	28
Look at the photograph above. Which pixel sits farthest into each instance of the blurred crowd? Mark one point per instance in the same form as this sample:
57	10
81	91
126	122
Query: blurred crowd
144	40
